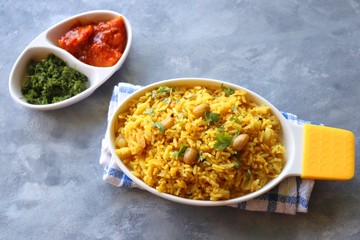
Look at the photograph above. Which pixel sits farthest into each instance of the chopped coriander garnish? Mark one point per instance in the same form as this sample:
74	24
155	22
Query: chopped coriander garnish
181	151
234	109
153	94
163	90
228	91
206	163
248	175
221	128
223	141
212	117
235	119
159	126
200	157
237	133
237	164
149	111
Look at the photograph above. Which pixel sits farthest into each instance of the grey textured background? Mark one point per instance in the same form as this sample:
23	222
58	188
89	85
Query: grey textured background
303	56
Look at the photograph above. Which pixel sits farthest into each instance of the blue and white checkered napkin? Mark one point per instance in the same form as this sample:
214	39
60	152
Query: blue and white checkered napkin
290	196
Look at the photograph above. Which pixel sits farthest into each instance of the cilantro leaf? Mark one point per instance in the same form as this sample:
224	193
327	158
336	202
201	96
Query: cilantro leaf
234	109
206	163
228	91
237	164
159	126
221	128
163	90
235	119
200	157
237	133
223	141
153	94
212	117
248	176
181	151
149	111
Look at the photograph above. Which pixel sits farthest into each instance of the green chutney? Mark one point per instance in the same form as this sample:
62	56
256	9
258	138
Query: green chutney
51	80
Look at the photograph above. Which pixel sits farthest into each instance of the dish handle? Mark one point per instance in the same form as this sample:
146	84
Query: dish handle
327	153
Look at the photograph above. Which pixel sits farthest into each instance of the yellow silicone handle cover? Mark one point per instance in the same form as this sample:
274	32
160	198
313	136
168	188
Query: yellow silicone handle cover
328	153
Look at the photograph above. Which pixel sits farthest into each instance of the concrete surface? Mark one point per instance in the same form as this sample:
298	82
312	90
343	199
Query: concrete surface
303	56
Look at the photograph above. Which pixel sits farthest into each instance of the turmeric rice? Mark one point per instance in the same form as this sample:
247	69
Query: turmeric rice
200	143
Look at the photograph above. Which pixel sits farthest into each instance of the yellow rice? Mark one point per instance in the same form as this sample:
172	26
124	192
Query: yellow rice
219	174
